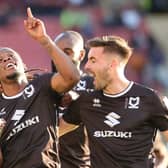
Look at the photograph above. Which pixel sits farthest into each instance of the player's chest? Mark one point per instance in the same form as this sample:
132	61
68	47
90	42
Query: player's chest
111	113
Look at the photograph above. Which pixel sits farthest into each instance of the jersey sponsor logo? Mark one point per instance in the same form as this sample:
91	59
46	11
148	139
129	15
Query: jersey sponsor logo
133	102
112	119
2	111
96	102
110	133
27	123
17	116
29	91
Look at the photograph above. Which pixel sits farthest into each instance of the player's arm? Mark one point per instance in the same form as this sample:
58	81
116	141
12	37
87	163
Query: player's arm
71	118
164	101
68	74
65	127
160	120
161	152
160	114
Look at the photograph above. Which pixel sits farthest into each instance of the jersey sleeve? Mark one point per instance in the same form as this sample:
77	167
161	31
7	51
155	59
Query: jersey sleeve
72	114
160	112
43	82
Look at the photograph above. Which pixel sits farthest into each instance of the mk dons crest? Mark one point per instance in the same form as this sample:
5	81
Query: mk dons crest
133	102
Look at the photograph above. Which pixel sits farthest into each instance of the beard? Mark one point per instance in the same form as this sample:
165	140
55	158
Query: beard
99	85
13	76
102	79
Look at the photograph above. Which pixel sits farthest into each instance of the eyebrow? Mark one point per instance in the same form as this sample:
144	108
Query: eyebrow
91	58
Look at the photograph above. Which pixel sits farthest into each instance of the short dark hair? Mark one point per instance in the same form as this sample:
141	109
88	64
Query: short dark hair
72	36
111	44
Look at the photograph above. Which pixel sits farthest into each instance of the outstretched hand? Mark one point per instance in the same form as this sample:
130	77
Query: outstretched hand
34	26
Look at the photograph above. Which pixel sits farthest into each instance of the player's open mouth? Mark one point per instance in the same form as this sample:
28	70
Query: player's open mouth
10	66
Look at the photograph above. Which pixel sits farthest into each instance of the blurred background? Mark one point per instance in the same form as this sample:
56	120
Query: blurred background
143	23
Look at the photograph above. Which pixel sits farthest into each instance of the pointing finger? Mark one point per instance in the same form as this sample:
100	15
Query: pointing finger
29	13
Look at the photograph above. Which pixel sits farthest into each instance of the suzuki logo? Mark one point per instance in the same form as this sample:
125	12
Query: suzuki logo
112	119
17	116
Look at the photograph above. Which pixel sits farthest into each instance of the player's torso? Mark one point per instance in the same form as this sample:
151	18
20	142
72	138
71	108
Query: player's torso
29	119
118	125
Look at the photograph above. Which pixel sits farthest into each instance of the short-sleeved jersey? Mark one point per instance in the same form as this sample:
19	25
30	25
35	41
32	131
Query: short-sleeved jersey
121	127
74	151
29	139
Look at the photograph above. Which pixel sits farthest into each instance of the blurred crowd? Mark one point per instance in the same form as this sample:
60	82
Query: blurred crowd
126	18
96	17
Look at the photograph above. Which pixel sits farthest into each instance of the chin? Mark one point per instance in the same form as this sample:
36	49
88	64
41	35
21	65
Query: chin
97	87
13	76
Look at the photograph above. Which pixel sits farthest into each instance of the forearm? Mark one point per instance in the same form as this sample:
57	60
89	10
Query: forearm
63	64
36	29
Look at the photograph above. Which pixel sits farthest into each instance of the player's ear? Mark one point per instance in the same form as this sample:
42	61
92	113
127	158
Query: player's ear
114	63
82	54
25	67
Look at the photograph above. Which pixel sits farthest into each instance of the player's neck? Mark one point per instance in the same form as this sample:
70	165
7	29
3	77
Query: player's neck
12	89
117	86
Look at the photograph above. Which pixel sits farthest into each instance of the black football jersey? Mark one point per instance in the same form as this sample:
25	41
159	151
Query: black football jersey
121	127
74	151
29	138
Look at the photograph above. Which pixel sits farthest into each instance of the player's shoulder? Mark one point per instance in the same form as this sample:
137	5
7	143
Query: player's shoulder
152	94
90	93
86	82
42	80
143	90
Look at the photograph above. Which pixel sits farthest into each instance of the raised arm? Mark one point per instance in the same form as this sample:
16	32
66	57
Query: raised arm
68	74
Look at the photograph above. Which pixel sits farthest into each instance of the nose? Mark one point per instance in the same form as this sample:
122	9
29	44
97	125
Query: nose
86	67
6	59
